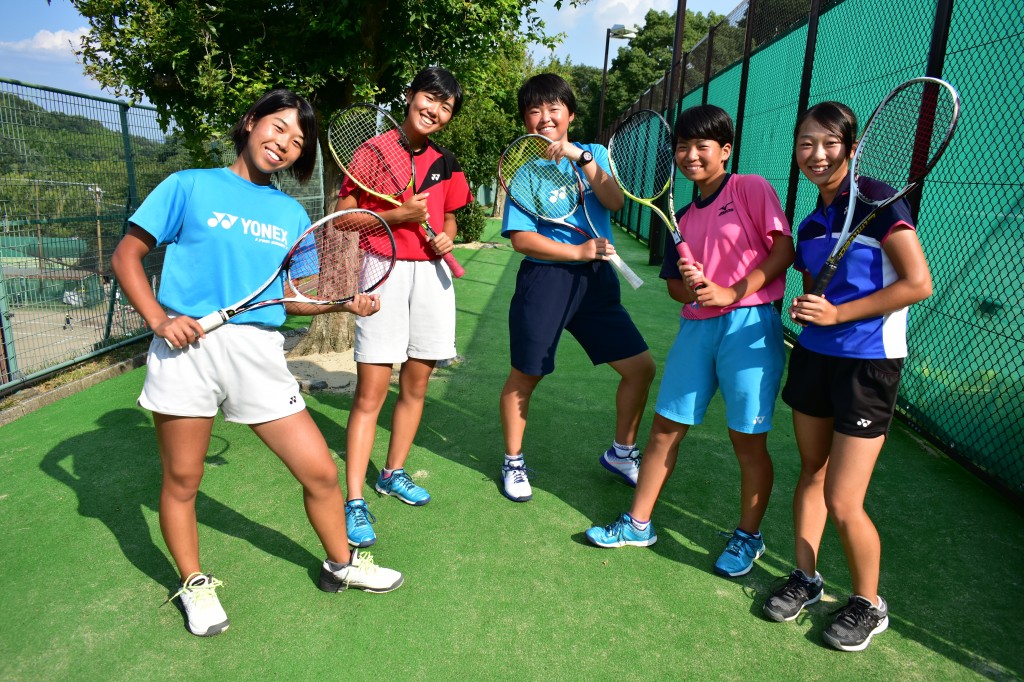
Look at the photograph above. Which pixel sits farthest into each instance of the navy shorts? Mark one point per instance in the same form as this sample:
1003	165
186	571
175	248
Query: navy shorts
582	298
860	395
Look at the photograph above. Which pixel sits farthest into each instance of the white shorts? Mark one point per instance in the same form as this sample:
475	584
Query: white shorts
239	368
416	317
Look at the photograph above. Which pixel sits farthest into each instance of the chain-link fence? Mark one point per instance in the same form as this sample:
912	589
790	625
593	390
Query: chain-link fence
963	383
73	168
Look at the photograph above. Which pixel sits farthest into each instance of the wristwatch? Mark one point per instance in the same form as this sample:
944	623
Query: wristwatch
585	158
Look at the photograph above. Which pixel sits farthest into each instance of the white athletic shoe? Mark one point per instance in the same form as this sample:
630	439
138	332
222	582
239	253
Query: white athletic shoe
516	484
362	574
198	595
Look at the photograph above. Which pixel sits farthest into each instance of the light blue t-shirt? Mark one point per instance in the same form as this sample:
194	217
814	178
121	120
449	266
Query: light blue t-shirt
225	236
516	220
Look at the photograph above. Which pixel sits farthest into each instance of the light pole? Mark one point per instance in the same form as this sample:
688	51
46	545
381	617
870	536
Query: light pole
97	192
616	31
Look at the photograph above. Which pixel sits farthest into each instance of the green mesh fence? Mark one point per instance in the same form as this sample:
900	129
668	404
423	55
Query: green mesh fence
963	383
73	168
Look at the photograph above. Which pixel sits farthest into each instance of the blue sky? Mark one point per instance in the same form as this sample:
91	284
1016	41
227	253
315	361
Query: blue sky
35	37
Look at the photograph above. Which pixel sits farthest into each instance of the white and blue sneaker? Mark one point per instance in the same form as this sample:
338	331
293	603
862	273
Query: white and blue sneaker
400	485
515	482
628	467
622	532
740	553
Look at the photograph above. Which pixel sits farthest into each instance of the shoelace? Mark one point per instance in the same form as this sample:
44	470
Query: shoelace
853	614
795	587
736	543
518	473
364	563
361	516
402	481
199	592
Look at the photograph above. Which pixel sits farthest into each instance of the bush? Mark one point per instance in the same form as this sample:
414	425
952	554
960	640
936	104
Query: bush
471	220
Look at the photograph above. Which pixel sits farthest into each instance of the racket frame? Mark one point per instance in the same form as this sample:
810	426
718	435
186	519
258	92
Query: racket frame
381	114
217	318
849	234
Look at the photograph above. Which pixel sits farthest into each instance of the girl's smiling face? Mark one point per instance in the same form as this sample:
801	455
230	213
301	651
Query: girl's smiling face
275	143
822	157
550	120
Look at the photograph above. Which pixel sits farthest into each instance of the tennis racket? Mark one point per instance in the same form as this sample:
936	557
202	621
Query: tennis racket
343	254
375	154
901	143
643	163
549	190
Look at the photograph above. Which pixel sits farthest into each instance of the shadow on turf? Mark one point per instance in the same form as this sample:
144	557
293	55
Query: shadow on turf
115	472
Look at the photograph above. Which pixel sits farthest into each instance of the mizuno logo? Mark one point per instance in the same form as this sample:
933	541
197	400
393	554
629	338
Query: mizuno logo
726	209
863	422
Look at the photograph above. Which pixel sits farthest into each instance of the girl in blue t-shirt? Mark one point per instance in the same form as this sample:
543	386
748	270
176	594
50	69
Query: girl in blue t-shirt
207	218
844	374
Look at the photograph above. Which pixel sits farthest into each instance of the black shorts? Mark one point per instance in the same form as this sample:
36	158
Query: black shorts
859	394
582	298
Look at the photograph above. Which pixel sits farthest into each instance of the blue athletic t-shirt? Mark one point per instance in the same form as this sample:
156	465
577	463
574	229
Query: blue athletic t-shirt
225	236
864	270
516	220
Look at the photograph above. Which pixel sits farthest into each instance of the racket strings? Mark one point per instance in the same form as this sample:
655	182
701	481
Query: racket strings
373	149
539	185
906	135
642	155
352	254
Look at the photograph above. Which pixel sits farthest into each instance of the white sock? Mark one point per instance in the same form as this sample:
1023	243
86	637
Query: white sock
639	525
623	450
509	459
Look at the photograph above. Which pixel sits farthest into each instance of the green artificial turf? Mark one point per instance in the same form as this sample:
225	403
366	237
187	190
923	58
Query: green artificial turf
494	589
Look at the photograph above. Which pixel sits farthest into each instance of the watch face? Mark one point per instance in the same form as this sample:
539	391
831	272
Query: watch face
585	158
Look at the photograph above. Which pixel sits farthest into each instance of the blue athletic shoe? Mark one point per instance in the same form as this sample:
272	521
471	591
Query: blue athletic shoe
402	487
357	524
740	553
622	533
627	467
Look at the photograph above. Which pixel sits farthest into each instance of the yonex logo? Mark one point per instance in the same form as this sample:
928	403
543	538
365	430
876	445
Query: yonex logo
225	220
293	400
863	422
759	420
557	195
435	176
726	209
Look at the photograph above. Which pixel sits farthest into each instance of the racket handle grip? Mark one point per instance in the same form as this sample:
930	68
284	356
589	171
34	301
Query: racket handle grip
627	272
207	322
823	278
453	265
683	249
456	268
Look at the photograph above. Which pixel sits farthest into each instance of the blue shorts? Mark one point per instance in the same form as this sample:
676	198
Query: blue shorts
582	298
742	352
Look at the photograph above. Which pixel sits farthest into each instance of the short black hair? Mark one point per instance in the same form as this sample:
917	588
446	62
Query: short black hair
704	122
545	88
440	82
835	117
276	100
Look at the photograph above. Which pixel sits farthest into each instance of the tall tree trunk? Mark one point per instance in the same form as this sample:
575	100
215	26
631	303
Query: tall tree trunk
333	332
330	333
499	202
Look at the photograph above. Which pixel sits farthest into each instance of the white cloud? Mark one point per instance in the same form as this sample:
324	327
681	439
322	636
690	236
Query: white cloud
47	45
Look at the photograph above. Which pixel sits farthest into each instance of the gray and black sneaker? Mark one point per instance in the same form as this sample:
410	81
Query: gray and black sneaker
788	600
856	624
